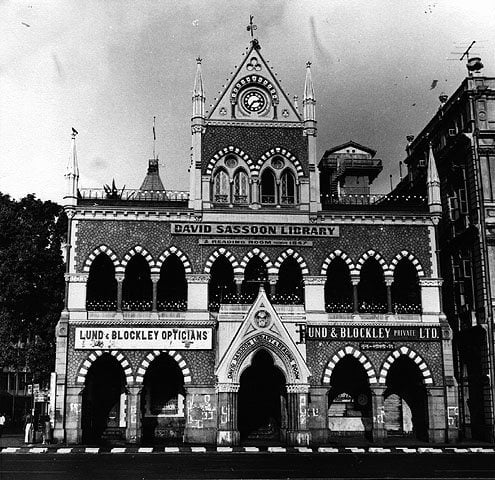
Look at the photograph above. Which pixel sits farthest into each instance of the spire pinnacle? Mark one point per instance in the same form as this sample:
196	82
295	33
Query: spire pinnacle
71	175
433	184
72	165
309	101
198	80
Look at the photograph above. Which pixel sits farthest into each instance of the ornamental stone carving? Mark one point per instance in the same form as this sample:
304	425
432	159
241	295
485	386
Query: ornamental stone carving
198	277
431	282
76	277
315	280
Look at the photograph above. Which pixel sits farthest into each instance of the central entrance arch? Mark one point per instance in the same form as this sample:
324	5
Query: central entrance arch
262	413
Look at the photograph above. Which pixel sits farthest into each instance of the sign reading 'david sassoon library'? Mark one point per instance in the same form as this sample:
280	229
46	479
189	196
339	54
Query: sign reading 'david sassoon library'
179	228
139	338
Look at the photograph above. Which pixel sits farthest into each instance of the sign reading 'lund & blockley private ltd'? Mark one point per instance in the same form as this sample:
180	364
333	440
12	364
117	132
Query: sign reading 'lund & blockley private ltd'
138	338
254	229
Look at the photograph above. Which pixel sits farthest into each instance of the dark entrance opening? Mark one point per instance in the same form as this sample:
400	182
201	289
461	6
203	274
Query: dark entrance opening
162	402
262	401
103	402
406	407
349	400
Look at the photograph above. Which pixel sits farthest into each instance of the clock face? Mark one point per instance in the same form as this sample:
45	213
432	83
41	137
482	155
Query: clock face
254	101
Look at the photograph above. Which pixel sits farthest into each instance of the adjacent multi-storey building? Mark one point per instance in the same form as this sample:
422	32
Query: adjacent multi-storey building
276	301
460	138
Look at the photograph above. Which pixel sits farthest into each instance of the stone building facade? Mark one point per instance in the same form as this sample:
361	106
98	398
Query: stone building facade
276	301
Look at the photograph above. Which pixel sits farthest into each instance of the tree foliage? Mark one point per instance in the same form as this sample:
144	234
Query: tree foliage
31	282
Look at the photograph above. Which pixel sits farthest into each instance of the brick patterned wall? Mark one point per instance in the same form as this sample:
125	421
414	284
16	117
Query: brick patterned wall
254	141
155	237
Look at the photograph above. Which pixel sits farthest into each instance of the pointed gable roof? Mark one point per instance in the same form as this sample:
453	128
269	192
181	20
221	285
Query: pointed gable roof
253	70
351	144
152	181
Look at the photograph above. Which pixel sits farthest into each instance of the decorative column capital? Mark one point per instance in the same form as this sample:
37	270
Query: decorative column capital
76	277
197	277
315	279
297	388
355	279
430	282
120	277
155	277
227	387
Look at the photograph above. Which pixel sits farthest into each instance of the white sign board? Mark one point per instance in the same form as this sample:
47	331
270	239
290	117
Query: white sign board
139	338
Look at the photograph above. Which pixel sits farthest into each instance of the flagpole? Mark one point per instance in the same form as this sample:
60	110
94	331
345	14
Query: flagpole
154	139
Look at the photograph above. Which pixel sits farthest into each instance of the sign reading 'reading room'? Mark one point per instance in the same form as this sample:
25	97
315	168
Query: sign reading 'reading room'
254	229
139	338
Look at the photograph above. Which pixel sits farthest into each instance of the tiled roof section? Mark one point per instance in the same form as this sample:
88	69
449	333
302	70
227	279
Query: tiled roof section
152	181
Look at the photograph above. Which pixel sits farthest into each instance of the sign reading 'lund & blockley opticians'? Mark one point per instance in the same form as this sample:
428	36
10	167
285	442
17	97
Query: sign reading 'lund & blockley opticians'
254	229
138	338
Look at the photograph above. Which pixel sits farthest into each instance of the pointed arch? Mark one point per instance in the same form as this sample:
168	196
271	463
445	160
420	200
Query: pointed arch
93	356
225	151
263	256
227	254
137	250
415	357
186	372
332	256
361	357
372	254
172	251
97	251
409	256
283	153
291	253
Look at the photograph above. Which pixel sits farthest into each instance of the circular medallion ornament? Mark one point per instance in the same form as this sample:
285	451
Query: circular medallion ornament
254	101
231	161
262	318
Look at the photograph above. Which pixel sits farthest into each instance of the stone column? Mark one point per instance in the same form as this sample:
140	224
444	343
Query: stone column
238	285
227	432
378	413
388	283
200	411
451	389
255	193
297	412
355	297
314	293
273	284
120	280
437	421
430	295
154	279
62	332
197	291
133	430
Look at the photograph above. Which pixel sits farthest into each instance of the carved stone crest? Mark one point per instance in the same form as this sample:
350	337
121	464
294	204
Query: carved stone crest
262	318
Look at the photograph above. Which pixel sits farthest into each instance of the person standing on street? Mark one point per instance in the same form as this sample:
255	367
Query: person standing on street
2	423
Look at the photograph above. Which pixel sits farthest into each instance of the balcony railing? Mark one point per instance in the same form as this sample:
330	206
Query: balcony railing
247	298
374	201
133	195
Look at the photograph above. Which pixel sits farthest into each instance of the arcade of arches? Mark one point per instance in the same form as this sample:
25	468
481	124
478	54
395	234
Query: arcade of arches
370	292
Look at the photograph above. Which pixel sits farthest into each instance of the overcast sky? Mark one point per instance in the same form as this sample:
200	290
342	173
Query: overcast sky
107	67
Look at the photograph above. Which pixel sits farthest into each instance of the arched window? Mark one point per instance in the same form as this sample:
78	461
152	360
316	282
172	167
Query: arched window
221	187
288	188
372	291
221	288
338	287
137	290
101	290
172	286
290	286
268	187
255	274
241	187
406	295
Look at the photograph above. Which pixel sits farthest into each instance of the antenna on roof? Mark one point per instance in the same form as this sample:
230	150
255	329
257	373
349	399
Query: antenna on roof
473	64
154	139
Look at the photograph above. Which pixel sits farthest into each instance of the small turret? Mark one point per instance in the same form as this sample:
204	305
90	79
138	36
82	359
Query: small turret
72	175
433	184
309	101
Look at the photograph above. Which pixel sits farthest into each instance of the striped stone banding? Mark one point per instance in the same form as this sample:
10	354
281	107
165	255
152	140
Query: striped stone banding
332	256
348	350
137	250
172	251
409	256
371	254
259	253
423	367
227	254
186	372
102	249
90	359
283	153
225	151
296	256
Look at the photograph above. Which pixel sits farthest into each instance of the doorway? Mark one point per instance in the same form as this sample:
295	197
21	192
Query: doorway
262	401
